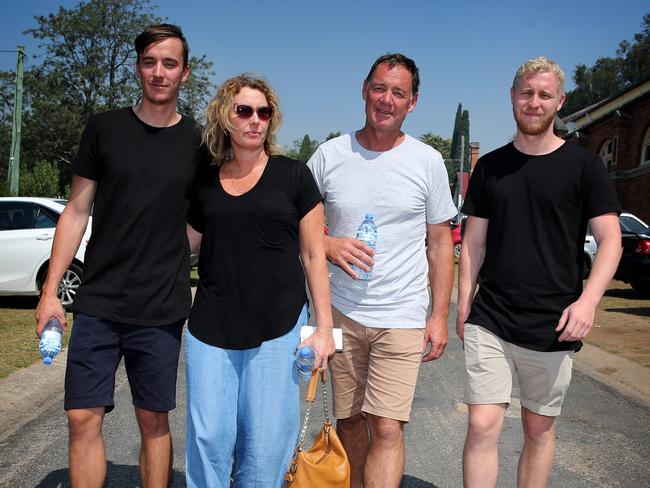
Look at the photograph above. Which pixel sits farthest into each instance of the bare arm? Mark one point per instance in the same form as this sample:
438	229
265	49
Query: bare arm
67	237
194	238
312	255
348	251
440	256
577	319
471	260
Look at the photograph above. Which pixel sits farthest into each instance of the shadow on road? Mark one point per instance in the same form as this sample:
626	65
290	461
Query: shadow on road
629	293
411	482
20	303
640	311
117	476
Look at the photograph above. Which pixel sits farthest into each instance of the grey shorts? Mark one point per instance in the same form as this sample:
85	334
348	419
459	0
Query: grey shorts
491	363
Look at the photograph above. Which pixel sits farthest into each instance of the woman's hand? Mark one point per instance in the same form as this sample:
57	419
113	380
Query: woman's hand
322	342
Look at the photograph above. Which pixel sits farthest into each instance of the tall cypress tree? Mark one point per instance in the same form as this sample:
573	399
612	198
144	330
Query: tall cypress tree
454	153
465	132
461	128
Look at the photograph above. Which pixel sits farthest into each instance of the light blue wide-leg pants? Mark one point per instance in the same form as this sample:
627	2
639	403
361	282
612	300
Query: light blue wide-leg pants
243	412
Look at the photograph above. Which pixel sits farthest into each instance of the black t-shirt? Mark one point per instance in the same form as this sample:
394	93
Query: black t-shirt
136	268
538	208
252	285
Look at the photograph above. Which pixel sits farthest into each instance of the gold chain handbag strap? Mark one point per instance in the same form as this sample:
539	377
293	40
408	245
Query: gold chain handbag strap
311	395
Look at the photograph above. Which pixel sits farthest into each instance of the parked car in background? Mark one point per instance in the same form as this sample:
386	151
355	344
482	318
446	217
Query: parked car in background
457	238
591	246
27	227
634	267
628	223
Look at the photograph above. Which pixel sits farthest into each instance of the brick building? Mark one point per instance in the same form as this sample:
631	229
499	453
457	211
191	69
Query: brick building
618	129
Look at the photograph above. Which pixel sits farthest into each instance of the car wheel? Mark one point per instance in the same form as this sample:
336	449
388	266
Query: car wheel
69	285
457	249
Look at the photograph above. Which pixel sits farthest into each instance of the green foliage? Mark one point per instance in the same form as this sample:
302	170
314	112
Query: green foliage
610	76
197	89
443	146
461	128
87	67
41	181
332	135
302	149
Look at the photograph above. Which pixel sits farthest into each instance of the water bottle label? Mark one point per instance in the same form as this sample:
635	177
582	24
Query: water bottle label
369	238
50	341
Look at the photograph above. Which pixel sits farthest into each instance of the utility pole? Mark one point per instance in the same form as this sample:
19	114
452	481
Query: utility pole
14	157
460	178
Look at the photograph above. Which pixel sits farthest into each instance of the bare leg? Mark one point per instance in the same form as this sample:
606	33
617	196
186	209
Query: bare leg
385	462
536	460
86	447
353	433
481	453
156	448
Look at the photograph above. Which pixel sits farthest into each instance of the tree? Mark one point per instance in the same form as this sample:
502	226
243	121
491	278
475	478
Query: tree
610	76
87	67
302	149
461	128
42	181
332	135
443	146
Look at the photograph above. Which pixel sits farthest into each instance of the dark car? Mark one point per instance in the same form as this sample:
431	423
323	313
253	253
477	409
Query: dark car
634	267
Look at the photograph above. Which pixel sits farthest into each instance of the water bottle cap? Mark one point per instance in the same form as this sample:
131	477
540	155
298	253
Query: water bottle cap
47	360
370	215
305	351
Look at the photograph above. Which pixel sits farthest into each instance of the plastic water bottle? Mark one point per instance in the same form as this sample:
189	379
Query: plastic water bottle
50	344
367	233
305	357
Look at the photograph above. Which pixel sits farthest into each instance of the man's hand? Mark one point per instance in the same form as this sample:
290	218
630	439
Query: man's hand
347	251
49	306
576	320
435	333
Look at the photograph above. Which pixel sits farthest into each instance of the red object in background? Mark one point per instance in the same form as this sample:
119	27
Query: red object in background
327	231
457	239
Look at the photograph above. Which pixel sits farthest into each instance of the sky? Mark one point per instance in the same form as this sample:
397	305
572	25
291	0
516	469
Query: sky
317	54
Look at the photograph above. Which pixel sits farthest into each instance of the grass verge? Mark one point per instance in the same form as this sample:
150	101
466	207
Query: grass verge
19	346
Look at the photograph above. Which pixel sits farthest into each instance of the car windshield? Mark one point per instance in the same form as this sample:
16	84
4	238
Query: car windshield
630	224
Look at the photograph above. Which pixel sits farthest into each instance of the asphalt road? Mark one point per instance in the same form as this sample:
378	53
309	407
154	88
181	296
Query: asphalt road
603	437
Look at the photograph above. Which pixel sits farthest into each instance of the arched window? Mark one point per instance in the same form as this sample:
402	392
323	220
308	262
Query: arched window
645	148
608	152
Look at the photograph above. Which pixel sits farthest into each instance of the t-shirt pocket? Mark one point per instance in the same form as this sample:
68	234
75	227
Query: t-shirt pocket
273	233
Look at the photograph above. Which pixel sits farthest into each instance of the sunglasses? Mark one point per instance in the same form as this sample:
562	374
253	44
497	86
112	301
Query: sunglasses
246	112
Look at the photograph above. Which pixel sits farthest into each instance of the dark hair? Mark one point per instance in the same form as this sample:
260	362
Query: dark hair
396	58
160	32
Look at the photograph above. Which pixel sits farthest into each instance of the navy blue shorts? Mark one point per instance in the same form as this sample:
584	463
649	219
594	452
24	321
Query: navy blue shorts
150	358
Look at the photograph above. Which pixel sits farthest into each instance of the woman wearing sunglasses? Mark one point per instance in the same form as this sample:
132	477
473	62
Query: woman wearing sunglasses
256	215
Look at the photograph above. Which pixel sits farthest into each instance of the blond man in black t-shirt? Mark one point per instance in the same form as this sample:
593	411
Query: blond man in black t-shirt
529	203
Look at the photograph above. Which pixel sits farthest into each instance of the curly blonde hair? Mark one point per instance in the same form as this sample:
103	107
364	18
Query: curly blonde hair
216	133
541	64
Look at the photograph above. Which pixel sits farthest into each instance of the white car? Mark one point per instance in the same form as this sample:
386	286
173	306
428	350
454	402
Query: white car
628	223
26	233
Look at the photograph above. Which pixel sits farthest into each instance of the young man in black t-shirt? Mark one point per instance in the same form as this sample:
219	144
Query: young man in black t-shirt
529	203
135	166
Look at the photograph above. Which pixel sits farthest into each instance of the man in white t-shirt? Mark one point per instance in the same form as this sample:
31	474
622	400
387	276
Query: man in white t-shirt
386	332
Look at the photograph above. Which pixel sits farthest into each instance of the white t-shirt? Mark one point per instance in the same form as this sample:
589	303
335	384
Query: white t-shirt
405	188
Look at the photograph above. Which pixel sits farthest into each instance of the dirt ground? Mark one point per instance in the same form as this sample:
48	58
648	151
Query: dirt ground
622	324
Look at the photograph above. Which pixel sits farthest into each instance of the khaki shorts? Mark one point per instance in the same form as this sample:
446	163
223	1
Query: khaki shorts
377	371
491	363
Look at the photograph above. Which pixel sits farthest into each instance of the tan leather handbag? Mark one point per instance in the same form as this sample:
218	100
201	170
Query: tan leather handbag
325	464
